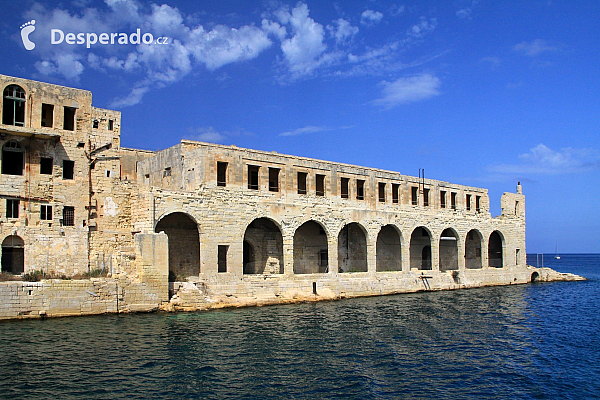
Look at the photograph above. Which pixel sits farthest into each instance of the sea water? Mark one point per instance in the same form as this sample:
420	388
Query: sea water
537	341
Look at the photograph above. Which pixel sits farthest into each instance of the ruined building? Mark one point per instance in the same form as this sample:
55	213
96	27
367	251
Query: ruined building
239	222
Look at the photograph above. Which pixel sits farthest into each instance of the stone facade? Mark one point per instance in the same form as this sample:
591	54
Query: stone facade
241	223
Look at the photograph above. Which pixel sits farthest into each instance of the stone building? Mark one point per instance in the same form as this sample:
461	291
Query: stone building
239	222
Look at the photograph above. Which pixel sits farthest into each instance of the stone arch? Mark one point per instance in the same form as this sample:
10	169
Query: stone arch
448	250
311	252
13	255
473	249
263	248
352	248
184	244
496	250
13	158
420	249
13	105
535	277
389	249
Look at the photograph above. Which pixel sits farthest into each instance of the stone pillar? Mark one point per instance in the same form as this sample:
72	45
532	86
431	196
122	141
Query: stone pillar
152	264
288	255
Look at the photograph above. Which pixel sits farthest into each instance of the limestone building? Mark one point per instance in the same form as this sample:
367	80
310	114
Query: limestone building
239	221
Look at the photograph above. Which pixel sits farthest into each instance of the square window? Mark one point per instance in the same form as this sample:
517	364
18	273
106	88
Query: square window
68	216
46	212
68	169
46	166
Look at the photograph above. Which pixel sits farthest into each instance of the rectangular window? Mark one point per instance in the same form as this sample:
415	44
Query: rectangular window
95	124
345	188
47	115
253	177
395	193
360	189
222	258
167	172
147	179
274	179
426	197
302	182
46	212
468	201
12	208
46	166
517	256
478	203
68	169
453	200
414	195
320	185
221	173
381	192
68	218
69	119
110	124
442	199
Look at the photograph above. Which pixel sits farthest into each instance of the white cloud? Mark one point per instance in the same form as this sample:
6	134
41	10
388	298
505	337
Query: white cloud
534	48
464	13
408	90
306	129
370	17
423	27
134	97
208	134
543	160
342	30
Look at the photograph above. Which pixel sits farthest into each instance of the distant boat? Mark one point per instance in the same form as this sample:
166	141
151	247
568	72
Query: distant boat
556	256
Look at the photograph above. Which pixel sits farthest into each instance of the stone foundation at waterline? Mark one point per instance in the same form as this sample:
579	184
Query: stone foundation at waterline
201	225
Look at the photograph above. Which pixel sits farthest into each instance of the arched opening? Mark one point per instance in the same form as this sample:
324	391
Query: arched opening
352	249
13	255
535	277
263	248
184	245
473	249
389	254
13	106
420	249
495	258
310	249
13	158
448	250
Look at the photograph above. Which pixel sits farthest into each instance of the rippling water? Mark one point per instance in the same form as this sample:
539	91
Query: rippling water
536	341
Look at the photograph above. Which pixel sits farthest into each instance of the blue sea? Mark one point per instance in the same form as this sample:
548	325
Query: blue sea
537	341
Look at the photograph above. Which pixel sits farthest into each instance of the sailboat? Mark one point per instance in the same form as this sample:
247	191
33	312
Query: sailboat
556	256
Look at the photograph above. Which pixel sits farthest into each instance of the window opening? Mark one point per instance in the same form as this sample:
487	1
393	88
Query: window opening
360	189
426	197
167	172
414	195
345	187
13	157
47	115
302	182
46	166
147	179
68	216
395	193
95	124
12	208
69	119
381	192
46	212
110	124
468	200
453	200
442	199
13	109
478	203
68	169
274	179
221	173
222	258
253	177
320	185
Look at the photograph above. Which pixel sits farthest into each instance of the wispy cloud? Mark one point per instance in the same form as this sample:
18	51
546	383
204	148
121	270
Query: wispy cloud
408	89
544	161
370	17
464	13
312	129
212	135
535	48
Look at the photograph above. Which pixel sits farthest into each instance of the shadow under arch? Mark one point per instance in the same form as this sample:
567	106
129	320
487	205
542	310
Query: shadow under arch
13	255
495	250
311	252
389	249
352	248
184	244
473	249
420	249
263	248
448	250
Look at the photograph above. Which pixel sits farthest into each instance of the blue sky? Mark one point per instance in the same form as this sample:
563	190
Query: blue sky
483	93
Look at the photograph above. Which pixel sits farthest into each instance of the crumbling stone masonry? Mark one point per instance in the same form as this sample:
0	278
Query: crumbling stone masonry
238	226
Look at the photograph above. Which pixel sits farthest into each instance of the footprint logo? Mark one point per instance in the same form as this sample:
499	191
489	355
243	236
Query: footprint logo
26	29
